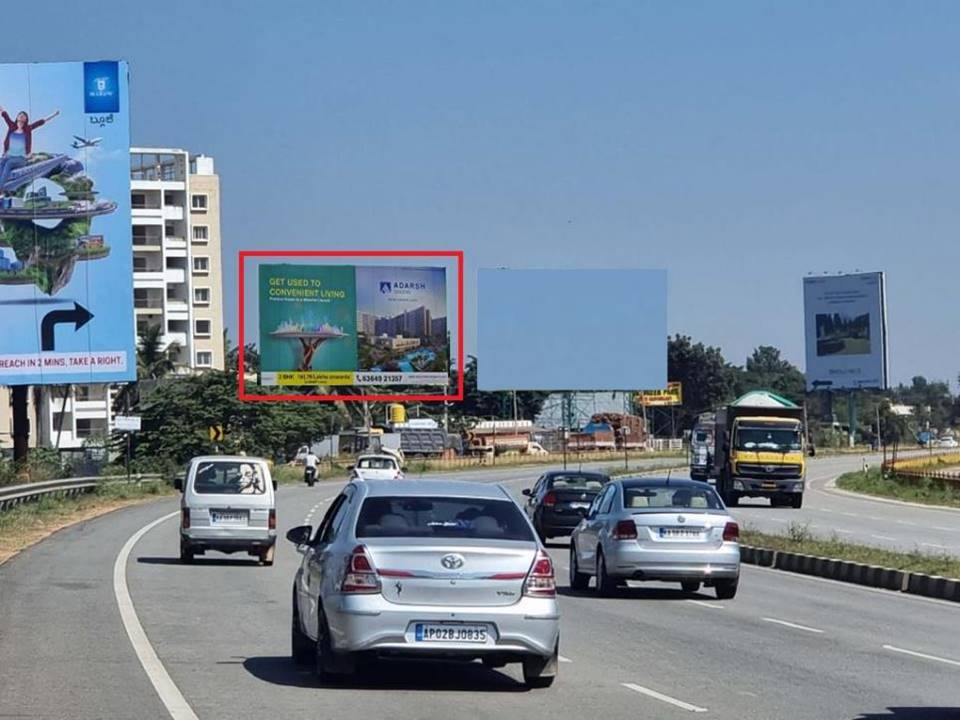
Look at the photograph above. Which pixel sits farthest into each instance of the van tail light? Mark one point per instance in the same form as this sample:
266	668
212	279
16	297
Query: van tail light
625	530
185	518
731	532
272	520
540	580
550	499
361	576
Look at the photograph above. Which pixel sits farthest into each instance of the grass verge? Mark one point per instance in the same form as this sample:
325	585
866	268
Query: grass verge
799	539
26	524
927	490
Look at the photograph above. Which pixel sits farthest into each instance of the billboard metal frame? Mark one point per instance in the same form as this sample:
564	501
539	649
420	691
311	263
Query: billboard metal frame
428	397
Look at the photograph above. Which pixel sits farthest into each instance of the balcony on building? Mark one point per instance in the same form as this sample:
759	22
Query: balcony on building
168	167
147	238
148	301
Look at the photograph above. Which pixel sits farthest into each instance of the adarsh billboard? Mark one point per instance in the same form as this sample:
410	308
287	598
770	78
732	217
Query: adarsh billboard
66	259
353	325
846	331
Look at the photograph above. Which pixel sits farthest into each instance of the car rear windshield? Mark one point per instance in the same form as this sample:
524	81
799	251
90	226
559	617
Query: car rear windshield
442	517
654	498
225	477
376	463
578	482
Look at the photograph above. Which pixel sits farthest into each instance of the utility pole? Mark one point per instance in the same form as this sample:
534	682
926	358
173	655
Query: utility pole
514	409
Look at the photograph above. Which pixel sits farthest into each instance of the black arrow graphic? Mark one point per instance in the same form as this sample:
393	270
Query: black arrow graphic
79	316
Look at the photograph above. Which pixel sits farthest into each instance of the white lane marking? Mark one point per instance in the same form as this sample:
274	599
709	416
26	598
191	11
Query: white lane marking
306	520
844	532
849	514
945	529
563	659
791	625
924	656
665	698
934	545
703	603
906	522
169	693
883	537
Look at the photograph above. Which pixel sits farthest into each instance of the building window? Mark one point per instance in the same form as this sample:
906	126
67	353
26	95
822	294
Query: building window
138	201
201	264
198	202
201	296
204	358
201	328
201	233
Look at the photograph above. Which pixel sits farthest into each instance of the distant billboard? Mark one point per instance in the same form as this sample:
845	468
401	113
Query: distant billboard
66	257
671	395
346	325
571	329
846	331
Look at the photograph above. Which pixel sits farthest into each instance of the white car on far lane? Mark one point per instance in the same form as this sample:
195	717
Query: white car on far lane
376	467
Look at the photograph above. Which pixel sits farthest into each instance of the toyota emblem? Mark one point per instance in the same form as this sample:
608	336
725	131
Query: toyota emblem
681	519
452	561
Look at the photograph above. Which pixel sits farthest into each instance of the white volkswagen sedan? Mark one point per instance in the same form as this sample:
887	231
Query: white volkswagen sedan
425	568
376	467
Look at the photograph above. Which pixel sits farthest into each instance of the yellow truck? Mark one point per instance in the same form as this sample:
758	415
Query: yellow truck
760	451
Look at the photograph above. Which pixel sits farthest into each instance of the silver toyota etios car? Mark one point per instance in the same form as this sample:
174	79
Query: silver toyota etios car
425	569
657	529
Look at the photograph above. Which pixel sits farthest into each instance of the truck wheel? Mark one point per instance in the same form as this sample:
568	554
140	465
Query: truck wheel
796	501
733	499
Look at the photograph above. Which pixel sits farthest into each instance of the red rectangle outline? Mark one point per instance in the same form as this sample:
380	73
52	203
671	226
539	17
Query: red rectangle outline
243	395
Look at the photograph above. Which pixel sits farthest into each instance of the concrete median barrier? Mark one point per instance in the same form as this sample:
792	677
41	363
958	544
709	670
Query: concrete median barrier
856	573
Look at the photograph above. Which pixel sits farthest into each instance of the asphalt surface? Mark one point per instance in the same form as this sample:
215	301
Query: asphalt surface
787	647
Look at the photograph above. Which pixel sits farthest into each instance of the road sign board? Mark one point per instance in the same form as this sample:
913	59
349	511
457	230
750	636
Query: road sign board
216	433
127	423
66	253
672	395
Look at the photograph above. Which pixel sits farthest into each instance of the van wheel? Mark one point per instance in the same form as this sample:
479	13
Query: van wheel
186	553
302	647
539	671
578	580
266	556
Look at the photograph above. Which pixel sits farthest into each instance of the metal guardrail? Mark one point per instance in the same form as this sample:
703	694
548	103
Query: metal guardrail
927	466
13	495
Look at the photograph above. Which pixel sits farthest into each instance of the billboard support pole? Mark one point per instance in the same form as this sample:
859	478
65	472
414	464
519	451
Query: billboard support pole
21	422
852	416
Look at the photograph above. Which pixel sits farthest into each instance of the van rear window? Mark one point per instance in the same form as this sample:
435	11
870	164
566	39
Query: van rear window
442	517
229	478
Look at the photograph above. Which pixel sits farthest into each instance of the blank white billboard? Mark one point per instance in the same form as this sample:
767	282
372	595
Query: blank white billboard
846	331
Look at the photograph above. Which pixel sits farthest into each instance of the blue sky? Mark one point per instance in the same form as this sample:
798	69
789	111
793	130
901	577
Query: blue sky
738	145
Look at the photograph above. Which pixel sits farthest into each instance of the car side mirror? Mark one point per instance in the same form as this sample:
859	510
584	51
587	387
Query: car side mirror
526	491
300	535
178	483
351	467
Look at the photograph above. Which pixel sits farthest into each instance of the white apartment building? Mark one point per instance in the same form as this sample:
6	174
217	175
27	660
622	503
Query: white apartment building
177	280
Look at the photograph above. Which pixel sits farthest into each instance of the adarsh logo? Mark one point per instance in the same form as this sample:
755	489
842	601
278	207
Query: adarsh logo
388	286
385	287
101	87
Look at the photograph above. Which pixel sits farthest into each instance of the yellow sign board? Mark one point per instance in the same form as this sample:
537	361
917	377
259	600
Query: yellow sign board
672	395
216	433
315	377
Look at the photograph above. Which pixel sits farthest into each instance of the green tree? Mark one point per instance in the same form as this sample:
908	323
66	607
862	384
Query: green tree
708	380
154	362
765	369
480	404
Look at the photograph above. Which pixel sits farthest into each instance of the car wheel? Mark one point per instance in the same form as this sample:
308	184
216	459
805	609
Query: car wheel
578	580
539	671
186	553
690	586
726	589
606	585
796	502
302	648
266	556
330	664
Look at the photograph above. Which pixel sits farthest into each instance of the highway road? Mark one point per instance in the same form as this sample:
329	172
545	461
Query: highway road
788	646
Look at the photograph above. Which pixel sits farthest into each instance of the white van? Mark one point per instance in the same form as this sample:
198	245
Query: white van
229	505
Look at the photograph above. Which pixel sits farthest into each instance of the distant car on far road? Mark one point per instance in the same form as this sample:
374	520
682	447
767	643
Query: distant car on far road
376	467
657	529
560	499
948	442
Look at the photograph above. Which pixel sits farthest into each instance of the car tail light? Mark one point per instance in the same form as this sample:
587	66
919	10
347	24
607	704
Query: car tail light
361	576
272	520
540	580
550	499
731	532
185	518
625	530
